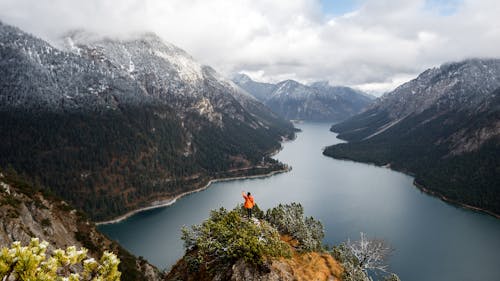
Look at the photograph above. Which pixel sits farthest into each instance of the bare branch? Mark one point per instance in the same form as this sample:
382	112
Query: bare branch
371	253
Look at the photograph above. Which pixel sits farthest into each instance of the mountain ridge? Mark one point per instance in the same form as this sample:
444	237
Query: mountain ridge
113	125
442	127
315	102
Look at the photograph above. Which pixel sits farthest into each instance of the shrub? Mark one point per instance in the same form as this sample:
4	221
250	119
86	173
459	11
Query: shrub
289	219
343	255
225	237
363	257
10	200
33	263
352	270
46	222
256	211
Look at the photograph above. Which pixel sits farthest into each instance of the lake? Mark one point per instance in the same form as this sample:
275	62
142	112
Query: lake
433	240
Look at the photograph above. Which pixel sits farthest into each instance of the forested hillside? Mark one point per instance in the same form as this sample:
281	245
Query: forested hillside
443	128
112	125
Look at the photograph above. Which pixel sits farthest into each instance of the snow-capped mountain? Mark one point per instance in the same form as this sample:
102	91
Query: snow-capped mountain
259	90
443	126
462	84
135	114
170	75
317	102
38	76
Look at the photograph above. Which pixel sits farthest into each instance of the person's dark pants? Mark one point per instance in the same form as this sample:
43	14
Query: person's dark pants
249	212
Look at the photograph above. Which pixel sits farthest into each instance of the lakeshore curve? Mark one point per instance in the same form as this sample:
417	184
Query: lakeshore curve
453	202
168	202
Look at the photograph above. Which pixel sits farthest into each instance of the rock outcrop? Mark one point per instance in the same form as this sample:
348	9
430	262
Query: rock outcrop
278	245
301	267
27	212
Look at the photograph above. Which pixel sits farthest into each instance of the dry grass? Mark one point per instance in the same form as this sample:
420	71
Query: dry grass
312	266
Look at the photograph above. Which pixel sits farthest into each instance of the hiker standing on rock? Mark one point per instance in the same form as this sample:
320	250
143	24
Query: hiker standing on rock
249	203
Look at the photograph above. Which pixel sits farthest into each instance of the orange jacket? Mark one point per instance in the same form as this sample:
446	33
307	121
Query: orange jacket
248	201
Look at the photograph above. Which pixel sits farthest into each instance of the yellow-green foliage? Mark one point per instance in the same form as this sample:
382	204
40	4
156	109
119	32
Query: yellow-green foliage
33	263
227	237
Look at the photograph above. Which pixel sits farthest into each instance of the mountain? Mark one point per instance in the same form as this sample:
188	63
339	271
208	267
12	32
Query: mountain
262	91
28	212
112	125
443	127
316	102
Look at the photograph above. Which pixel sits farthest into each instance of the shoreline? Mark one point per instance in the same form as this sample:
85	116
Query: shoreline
168	202
425	190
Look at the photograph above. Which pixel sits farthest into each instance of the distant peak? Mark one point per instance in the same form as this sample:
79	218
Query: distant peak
241	78
470	62
150	36
289	82
84	36
320	84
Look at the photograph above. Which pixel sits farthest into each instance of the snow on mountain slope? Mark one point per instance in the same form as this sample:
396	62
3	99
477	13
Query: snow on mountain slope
118	123
167	73
317	102
460	84
468	85
442	127
36	75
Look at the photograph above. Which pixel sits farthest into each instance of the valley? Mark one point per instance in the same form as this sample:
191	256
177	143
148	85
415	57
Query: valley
113	143
348	198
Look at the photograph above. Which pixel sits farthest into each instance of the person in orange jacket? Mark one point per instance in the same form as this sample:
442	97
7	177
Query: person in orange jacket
249	203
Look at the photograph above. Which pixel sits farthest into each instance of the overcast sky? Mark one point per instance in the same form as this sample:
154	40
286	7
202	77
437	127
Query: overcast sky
371	44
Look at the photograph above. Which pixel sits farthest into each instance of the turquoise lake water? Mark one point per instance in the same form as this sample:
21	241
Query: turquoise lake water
433	240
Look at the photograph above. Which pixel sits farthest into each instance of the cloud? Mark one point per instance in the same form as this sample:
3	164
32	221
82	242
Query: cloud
373	47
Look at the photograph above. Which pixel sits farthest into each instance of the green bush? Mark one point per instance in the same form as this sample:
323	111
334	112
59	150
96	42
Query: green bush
352	270
256	211
226	237
10	200
342	254
46	222
289	219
